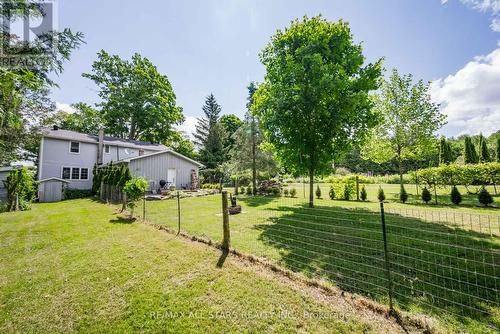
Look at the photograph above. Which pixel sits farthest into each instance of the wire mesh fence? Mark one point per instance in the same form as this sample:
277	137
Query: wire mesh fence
445	264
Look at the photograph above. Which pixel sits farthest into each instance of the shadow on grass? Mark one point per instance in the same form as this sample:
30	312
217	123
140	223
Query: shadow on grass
122	220
434	268
257	200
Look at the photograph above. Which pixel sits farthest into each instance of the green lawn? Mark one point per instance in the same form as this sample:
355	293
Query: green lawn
449	270
74	266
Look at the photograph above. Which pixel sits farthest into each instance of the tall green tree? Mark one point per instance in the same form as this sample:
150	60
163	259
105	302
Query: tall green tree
314	100
484	154
231	123
445	152
470	154
497	149
210	135
252	88
183	145
25	88
85	119
409	124
138	102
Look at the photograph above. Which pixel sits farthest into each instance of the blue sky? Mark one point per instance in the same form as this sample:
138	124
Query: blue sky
212	47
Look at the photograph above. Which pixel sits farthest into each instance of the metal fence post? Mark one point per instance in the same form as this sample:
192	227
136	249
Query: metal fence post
178	213
386	255
225	222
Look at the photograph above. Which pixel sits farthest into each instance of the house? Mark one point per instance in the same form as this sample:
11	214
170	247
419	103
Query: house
71	156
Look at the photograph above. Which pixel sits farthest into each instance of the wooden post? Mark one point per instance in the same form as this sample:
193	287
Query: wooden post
357	188
178	213
144	206
225	223
435	194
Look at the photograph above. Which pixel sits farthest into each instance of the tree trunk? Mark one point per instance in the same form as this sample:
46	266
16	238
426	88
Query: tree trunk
311	186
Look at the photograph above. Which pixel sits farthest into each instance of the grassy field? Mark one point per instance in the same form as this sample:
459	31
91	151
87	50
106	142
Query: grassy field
449	270
75	266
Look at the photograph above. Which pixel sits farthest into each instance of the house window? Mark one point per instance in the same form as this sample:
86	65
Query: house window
66	173
75	173
74	147
84	174
106	149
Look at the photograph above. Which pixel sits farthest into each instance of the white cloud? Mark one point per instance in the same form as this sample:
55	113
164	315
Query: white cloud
188	127
65	107
485	6
471	97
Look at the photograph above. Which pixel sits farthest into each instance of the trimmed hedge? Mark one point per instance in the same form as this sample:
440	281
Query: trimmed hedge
467	175
72	193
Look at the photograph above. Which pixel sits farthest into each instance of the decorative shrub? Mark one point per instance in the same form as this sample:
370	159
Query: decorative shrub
21	189
264	186
72	193
363	195
293	192
381	195
426	195
318	192
249	190
348	190
332	193
285	192
135	189
484	196
403	195
242	190
456	197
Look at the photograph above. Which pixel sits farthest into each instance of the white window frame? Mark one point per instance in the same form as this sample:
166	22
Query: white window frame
81	169
107	149
62	171
79	173
72	141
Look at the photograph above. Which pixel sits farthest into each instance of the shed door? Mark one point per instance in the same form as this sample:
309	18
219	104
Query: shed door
171	176
52	191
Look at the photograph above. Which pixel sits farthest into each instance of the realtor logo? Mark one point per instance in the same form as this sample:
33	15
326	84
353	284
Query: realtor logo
27	30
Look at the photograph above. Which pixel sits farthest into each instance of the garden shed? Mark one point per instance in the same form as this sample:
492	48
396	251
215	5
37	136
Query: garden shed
51	189
175	169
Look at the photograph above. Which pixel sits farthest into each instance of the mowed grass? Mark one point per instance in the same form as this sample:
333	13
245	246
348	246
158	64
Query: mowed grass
74	266
449	270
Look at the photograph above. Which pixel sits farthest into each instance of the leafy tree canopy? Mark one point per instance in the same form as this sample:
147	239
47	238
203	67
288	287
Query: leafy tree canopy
410	121
314	101
138	102
85	119
24	89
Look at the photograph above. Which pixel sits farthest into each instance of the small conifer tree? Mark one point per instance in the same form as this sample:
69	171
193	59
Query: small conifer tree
363	194
403	195
381	195
293	192
484	196
318	192
426	195
456	197
332	192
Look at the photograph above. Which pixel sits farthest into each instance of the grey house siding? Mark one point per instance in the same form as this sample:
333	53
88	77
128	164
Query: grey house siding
56	155
120	153
154	168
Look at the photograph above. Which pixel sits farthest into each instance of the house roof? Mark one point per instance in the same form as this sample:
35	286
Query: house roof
162	152
53	179
108	140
